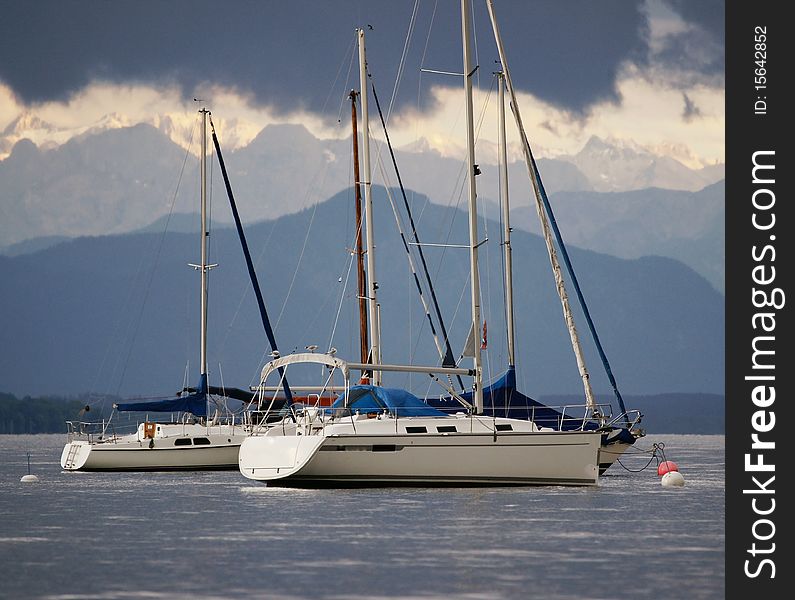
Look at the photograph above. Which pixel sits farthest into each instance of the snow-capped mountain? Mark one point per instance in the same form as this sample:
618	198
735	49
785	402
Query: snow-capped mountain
617	165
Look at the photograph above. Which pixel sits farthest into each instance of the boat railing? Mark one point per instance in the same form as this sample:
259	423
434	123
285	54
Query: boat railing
93	431
222	424
628	419
577	416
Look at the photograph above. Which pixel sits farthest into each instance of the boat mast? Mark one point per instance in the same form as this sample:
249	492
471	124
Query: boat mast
204	267
545	227
362	281
375	337
506	217
472	169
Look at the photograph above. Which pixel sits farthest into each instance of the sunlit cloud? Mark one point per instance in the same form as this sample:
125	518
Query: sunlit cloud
649	116
103	106
685	124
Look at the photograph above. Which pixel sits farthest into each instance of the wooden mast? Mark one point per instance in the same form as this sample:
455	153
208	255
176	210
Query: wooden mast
362	283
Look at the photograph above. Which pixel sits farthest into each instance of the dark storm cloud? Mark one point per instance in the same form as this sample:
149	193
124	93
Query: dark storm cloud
289	53
708	15
700	49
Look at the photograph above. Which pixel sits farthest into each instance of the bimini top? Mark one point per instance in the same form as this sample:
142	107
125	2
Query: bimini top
371	398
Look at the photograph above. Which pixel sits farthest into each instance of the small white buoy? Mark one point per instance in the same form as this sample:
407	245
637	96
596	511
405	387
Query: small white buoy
29	478
673	479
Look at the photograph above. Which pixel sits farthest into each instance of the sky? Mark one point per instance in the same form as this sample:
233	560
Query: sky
646	72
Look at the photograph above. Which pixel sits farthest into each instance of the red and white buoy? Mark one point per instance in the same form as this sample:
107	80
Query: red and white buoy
669	471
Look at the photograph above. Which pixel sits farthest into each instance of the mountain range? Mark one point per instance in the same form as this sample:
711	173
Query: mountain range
113	179
117	314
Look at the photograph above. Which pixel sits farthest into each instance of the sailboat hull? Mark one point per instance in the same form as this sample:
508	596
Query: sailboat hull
197	449
515	458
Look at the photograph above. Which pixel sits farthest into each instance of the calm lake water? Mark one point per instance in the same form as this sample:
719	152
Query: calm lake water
214	535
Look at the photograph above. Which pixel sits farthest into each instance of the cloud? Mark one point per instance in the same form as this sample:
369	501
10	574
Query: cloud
616	70
691	111
289	55
686	41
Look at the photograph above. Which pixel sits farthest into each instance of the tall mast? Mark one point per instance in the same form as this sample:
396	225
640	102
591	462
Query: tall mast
362	281
375	334
542	217
473	208
204	268
506	218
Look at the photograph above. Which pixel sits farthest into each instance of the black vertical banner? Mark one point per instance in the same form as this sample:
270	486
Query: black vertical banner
759	233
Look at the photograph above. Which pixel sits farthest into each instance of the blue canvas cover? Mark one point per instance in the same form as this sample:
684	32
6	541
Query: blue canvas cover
371	398
502	399
195	403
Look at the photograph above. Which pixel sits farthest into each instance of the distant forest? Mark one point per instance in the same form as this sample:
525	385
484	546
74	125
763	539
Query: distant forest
46	414
663	413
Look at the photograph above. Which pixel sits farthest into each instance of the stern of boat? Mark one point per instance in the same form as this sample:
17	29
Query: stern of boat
75	455
266	458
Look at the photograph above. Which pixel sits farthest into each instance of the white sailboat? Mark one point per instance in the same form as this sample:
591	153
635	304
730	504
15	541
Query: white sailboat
378	435
197	440
373	434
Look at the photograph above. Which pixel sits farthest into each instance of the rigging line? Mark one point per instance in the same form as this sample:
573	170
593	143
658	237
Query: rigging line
485	301
412	266
148	285
402	63
244	294
298	264
315	204
341	302
475	40
502	189
564	252
351	259
310	325
501	186
542	210
428	36
249	264
461	296
300	258
353	53
424	54
447	359
272	229
461	180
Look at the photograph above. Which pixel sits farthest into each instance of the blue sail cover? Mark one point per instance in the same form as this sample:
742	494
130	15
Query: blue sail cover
502	399
371	398
195	403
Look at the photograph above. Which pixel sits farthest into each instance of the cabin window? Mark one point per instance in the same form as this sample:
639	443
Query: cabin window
447	429
416	430
182	442
201	442
504	427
